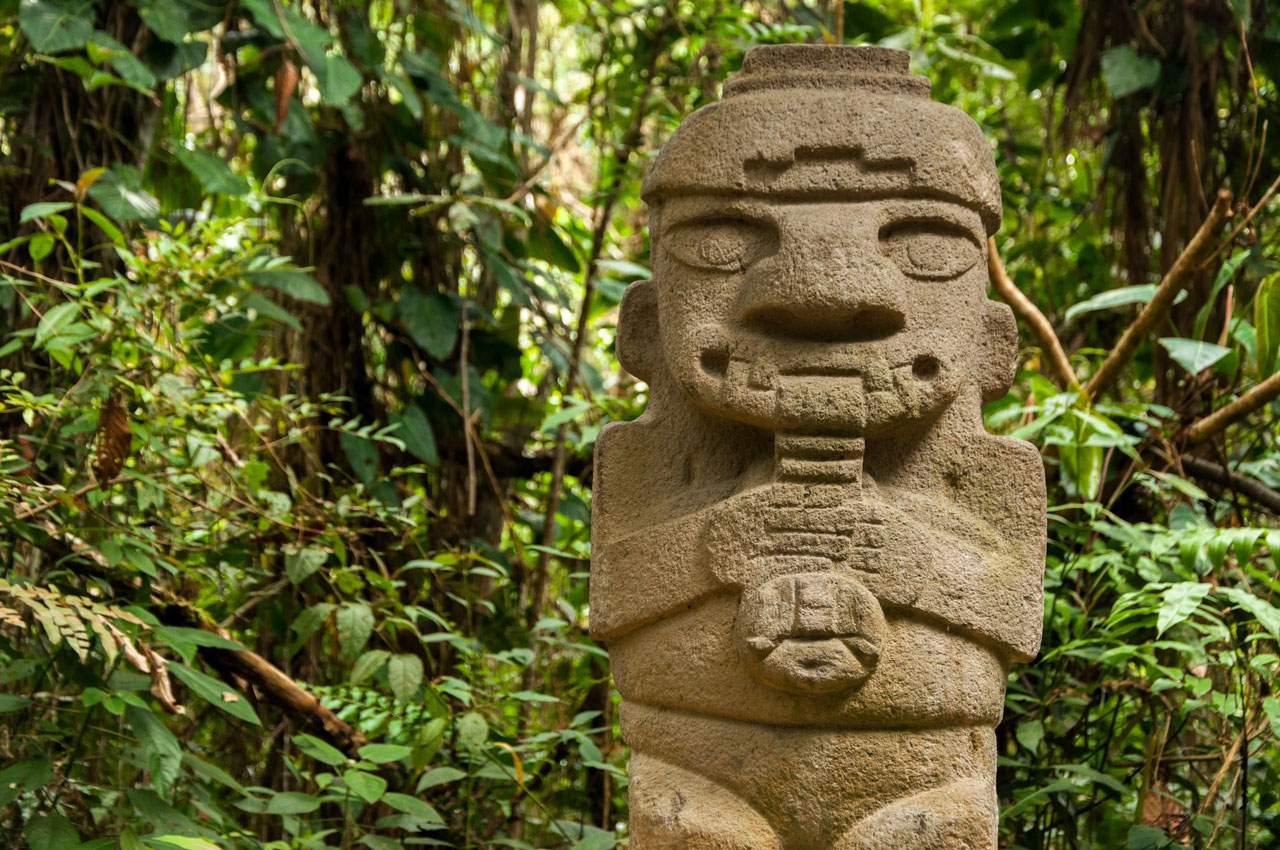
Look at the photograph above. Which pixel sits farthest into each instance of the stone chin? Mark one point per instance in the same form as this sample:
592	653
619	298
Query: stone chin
868	390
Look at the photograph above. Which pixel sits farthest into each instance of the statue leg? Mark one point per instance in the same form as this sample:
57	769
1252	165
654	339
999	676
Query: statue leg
676	809
960	815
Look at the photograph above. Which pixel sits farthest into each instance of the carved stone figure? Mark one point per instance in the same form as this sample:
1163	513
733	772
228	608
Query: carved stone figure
813	568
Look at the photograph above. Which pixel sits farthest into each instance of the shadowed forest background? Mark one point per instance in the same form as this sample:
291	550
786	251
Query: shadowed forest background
307	313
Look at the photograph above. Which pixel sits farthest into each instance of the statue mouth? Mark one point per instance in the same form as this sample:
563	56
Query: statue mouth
850	384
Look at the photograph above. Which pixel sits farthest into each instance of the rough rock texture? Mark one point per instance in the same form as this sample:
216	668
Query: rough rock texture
812	566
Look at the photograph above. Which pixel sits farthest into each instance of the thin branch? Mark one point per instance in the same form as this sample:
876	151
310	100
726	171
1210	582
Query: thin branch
279	688
1249	216
271	682
1198	251
1252	489
1260	396
1064	376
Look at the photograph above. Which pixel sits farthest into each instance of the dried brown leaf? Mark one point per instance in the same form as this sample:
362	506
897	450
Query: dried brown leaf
285	83
114	439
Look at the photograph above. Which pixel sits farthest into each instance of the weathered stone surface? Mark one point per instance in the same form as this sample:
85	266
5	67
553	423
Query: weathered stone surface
812	566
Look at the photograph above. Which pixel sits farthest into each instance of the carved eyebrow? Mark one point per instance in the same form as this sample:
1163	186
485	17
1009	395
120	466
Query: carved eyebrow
941	212
711	207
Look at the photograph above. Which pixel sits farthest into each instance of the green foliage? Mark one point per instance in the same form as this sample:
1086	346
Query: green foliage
306	335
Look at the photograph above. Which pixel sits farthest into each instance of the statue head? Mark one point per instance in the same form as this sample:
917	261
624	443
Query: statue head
819	250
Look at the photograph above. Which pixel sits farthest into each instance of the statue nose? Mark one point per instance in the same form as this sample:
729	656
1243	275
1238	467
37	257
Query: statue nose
826	293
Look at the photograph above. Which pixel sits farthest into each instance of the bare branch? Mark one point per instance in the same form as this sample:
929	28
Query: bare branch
273	683
1261	395
1064	376
1193	257
1252	489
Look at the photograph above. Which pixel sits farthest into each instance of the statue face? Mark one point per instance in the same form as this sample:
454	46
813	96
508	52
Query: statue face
849	316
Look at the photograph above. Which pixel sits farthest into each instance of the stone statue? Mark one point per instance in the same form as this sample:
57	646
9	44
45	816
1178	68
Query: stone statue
813	568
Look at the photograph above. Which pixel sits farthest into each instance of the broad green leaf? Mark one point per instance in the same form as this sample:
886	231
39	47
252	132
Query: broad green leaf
432	321
338	80
42	209
384	753
439	776
1179	602
1267	615
53	26
355	625
50	832
113	233
368	664
122	198
1225	275
404	672
17	779
1125	72
184	640
122	61
169	19
159	745
212	772
183	842
1116	298
319	750
419	809
473	730
362	456
296	283
367	786
1266	323
416	432
595	839
301	564
381	842
40	246
13	702
292	803
263	307
213	173
1030	734
1147	838
1193	355
55	320
215	692
1271	707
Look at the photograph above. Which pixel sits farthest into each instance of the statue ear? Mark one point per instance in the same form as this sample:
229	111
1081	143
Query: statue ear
998	351
637	340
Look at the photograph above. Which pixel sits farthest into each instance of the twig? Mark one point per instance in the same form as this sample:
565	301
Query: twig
1198	251
464	372
1064	376
1253	211
1261	395
1250	488
25	512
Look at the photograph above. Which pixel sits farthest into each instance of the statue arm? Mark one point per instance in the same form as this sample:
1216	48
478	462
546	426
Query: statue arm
976	564
649	574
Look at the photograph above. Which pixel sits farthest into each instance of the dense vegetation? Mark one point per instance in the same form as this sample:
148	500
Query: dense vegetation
306	323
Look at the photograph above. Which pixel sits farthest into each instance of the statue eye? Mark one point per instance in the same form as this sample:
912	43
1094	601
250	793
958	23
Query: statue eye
934	250
726	245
